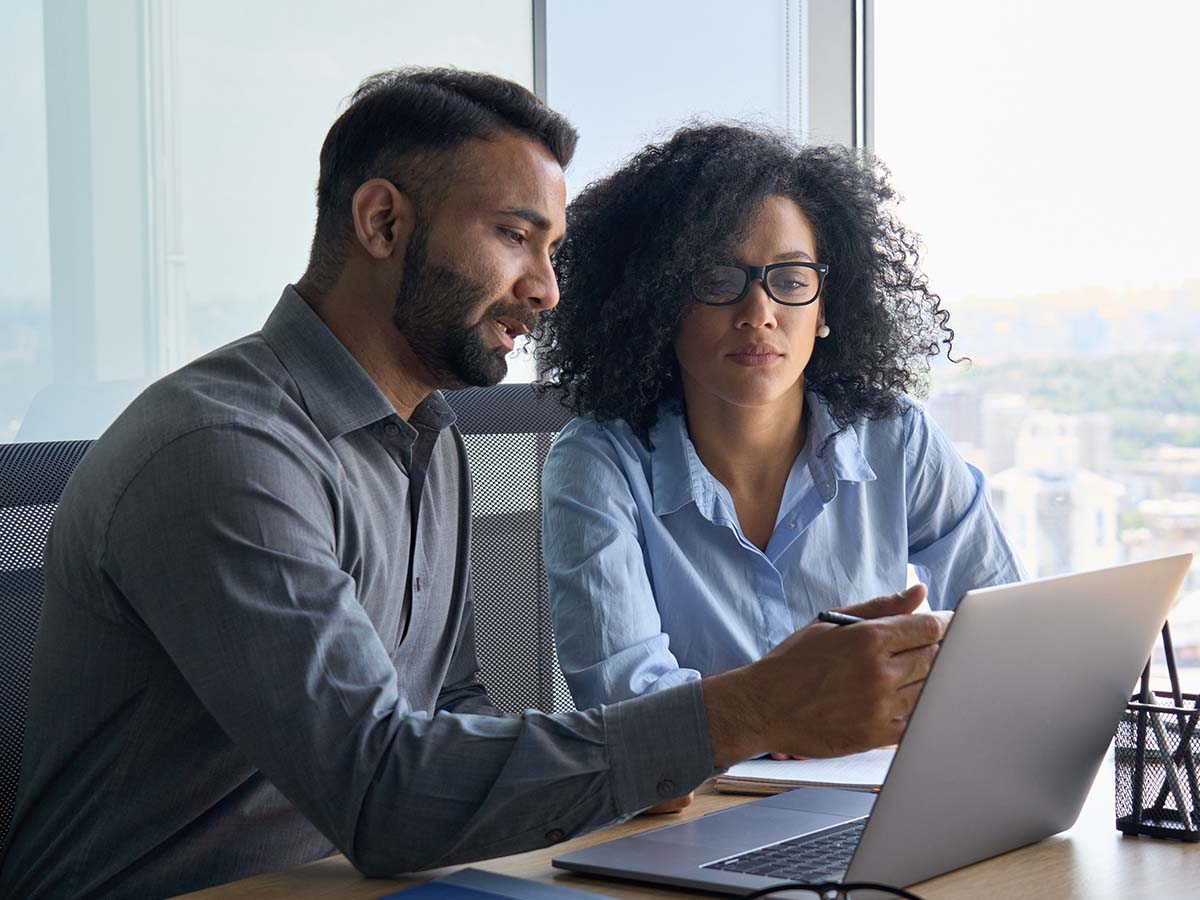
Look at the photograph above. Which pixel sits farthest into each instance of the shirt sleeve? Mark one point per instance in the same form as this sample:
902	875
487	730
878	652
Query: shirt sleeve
463	692
955	541
224	544
609	636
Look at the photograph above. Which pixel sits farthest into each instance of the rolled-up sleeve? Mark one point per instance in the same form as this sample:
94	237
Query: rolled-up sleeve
955	541
237	577
611	643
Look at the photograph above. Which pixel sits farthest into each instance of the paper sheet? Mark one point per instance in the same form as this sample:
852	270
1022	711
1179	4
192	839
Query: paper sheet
861	771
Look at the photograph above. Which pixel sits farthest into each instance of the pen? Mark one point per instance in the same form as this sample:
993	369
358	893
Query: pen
837	618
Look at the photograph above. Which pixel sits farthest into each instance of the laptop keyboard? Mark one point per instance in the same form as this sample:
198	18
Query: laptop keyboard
808	858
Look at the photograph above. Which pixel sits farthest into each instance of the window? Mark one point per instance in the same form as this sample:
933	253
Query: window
1043	152
160	168
158	162
24	247
675	63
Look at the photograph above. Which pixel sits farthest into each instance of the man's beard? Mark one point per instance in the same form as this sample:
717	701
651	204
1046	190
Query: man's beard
432	303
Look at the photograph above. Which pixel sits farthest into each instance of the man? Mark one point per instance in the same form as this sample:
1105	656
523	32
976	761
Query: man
257	642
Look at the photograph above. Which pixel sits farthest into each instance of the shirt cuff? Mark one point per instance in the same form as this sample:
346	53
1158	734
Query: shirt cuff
658	747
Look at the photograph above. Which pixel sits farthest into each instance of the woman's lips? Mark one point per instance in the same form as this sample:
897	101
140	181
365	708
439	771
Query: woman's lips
756	356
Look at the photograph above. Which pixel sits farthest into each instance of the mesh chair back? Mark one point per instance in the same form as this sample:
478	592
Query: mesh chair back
32	477
508	430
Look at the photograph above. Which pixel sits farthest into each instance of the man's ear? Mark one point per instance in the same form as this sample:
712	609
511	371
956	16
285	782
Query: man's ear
384	217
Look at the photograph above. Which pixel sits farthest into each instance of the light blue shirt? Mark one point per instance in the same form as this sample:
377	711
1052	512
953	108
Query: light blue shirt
652	582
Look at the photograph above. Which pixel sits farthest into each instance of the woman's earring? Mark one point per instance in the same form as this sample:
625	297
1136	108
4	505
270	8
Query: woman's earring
823	331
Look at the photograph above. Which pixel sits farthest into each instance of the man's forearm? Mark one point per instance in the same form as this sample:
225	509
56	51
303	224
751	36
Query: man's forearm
733	729
488	787
471	697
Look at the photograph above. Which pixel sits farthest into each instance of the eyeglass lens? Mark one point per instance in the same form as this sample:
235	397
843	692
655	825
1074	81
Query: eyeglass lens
786	284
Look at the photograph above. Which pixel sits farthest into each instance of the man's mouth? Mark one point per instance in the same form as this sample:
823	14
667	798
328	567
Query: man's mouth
509	329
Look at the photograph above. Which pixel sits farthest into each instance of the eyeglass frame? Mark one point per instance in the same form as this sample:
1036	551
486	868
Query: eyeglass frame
832	890
760	273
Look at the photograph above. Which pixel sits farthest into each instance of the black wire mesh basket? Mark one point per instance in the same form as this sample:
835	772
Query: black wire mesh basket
1158	759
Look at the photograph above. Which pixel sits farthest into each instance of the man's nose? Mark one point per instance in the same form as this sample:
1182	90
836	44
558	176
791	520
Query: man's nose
539	288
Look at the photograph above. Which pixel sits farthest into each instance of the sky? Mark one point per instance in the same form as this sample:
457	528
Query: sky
1043	146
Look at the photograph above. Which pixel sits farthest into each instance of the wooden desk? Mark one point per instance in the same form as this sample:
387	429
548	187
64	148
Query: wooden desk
1092	861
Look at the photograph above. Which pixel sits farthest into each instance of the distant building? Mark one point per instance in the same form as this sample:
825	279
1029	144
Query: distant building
1060	514
959	413
1172	525
1054	442
1058	521
1002	417
1095	442
1165	472
983	427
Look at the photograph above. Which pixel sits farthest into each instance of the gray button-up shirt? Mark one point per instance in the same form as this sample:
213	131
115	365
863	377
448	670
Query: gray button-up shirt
257	648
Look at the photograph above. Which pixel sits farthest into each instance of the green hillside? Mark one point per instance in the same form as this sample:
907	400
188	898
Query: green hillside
1139	391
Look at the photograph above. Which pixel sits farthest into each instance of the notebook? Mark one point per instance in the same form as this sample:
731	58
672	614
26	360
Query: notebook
858	772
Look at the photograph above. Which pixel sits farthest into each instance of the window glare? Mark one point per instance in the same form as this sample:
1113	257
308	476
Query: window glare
1043	151
159	163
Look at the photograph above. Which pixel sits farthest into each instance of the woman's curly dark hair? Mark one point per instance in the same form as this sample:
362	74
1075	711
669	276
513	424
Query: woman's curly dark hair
635	237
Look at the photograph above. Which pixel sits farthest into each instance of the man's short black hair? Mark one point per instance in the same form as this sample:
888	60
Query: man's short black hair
395	122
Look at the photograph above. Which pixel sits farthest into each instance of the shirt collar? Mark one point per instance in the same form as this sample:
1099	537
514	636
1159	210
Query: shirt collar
681	478
338	393
836	460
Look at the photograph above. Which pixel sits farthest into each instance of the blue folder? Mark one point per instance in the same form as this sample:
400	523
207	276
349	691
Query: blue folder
475	884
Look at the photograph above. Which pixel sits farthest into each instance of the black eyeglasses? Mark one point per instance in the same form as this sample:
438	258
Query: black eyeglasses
832	891
789	283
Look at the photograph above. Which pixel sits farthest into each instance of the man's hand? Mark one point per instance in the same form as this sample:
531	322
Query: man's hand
828	690
671	806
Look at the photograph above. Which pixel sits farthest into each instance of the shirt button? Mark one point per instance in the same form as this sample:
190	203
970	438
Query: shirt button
554	835
666	788
391	429
791	523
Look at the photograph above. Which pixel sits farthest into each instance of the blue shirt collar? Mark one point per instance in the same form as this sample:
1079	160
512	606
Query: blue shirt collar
842	460
679	477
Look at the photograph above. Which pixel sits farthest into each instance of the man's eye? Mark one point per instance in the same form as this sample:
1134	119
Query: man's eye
513	235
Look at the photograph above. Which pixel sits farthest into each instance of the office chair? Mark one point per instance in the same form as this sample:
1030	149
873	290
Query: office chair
32	477
508	430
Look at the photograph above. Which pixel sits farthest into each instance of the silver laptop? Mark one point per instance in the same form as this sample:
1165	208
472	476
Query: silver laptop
1001	750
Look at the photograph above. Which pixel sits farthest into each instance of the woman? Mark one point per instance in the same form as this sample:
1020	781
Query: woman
740	321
